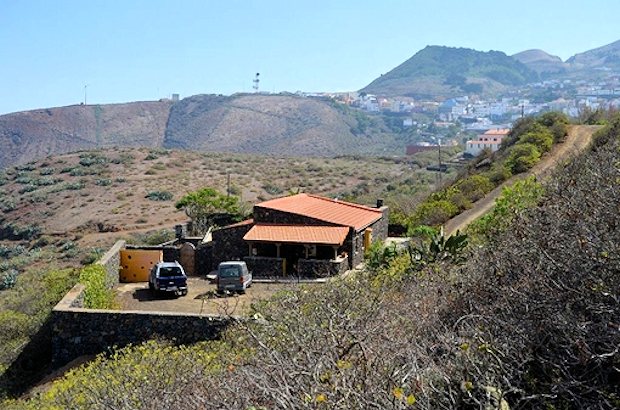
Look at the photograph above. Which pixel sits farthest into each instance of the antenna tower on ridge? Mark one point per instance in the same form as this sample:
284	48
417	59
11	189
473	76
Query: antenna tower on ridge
256	81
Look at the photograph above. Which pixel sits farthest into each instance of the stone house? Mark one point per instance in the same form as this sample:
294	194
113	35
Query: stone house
302	235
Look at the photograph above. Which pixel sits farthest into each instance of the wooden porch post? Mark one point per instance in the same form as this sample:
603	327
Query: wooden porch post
278	250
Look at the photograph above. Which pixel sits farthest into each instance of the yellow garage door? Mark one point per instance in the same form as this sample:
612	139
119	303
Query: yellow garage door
136	264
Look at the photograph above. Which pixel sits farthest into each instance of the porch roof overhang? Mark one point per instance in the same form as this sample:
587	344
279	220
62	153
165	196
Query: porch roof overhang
301	234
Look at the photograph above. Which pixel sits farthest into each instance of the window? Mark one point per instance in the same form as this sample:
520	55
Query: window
229	272
166	272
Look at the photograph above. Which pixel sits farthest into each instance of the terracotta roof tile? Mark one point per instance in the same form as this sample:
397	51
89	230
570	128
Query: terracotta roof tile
325	209
326	235
497	131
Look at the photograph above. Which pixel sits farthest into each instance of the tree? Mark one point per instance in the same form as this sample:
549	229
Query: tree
205	206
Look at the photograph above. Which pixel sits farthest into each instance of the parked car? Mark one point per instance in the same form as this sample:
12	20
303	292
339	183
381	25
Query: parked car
168	277
233	276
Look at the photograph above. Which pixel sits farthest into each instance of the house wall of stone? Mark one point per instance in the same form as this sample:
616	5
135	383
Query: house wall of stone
278	217
228	244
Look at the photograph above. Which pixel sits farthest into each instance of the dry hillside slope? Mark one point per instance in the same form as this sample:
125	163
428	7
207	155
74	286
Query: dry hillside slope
31	135
282	125
267	124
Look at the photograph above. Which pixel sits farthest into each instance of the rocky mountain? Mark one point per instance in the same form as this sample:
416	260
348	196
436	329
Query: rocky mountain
447	72
271	124
542	62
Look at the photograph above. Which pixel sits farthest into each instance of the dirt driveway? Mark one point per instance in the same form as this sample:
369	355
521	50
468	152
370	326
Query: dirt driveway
201	298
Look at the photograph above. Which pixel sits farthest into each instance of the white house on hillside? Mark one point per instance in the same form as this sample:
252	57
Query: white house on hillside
489	140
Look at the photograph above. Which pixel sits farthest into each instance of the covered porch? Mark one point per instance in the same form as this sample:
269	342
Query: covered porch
294	250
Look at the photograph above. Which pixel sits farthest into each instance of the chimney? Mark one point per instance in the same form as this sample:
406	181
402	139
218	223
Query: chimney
379	203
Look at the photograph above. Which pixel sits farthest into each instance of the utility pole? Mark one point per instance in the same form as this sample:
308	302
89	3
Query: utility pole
228	182
439	150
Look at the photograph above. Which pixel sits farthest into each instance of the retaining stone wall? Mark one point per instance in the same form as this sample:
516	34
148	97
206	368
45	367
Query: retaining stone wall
111	261
77	332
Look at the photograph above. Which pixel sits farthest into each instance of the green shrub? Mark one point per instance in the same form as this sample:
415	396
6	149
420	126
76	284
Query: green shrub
89	159
514	199
74	186
522	157
542	139
103	182
434	212
8	279
272	189
498	174
159	195
26	167
96	293
47	171
27	188
475	187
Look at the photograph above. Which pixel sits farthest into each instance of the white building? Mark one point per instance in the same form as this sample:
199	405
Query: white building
489	140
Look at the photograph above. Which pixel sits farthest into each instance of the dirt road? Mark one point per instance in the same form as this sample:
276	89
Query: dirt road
579	137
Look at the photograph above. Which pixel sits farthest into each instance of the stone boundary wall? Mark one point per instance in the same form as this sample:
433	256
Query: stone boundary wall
111	261
77	331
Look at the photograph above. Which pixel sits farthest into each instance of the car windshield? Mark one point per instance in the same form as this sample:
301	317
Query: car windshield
229	271
165	272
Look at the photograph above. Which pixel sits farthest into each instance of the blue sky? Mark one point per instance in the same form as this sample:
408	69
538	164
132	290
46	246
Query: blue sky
143	50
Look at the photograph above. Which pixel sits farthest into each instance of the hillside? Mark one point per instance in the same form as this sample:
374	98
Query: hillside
273	124
516	322
268	124
31	135
542	62
106	192
447	72
603	57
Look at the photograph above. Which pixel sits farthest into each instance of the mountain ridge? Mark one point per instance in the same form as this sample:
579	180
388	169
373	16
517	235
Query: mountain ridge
243	123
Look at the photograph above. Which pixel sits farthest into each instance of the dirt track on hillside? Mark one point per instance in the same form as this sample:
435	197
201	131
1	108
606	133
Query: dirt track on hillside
579	138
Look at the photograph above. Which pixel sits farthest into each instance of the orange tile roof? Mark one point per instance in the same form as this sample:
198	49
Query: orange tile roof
483	142
497	131
326	235
325	209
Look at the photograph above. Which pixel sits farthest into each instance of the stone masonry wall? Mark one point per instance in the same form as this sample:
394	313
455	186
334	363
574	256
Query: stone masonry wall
265	267
77	332
228	244
264	215
309	268
111	261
